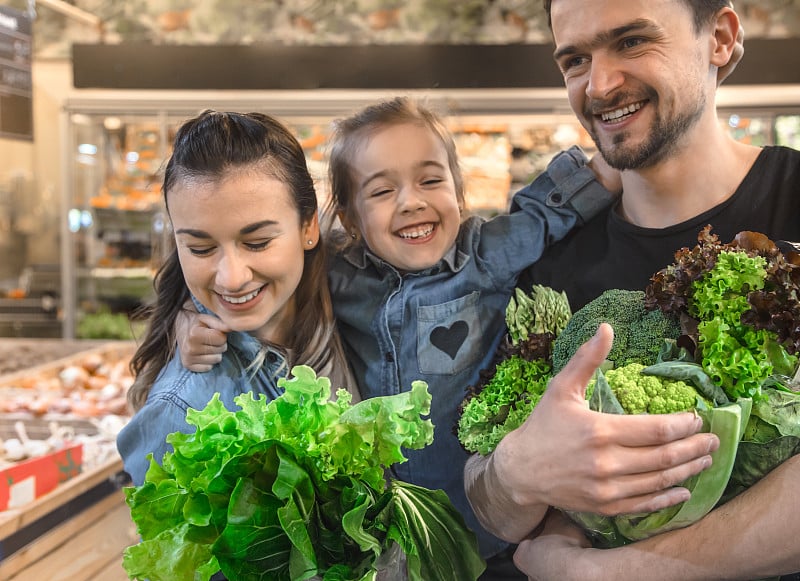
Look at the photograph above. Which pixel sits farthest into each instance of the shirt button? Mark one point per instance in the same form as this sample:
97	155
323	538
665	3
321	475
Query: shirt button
389	357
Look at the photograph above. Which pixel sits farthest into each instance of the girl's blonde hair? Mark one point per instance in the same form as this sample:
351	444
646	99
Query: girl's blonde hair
206	148
350	133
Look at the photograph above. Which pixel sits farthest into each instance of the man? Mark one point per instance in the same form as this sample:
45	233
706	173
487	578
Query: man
641	77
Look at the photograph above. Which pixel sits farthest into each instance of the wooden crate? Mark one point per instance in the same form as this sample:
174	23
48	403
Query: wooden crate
85	545
77	531
43	391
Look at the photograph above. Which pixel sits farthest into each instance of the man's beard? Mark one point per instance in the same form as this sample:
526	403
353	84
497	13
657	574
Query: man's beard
663	140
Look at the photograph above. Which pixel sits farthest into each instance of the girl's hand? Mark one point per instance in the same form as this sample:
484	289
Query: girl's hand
202	339
609	178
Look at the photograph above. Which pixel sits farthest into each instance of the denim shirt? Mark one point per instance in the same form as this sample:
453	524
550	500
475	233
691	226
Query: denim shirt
442	325
178	389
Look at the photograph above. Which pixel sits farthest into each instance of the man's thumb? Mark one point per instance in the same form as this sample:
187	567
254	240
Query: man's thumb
577	373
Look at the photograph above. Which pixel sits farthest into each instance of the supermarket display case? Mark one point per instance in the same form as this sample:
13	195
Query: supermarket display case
114	219
117	142
115	225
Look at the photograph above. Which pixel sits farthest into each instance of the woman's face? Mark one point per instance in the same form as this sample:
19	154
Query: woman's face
241	246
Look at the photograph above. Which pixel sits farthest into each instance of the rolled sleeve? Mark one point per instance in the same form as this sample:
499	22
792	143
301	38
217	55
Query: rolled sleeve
569	182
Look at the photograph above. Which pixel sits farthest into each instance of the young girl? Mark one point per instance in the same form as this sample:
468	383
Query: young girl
243	212
419	292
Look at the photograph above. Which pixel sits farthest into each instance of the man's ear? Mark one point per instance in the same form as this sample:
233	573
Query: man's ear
727	43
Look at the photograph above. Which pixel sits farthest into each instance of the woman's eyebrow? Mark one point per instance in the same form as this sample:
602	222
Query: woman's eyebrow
250	228
193	232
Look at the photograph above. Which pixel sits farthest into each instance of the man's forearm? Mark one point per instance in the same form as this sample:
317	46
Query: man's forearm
495	509
751	537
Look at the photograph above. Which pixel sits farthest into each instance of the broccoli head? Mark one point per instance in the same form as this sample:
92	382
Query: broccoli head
651	394
638	333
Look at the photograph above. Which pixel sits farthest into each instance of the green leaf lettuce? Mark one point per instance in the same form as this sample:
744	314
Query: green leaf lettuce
295	489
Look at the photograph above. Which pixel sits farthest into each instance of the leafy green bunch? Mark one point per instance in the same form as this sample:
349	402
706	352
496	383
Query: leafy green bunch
295	489
539	344
740	308
716	333
739	303
505	396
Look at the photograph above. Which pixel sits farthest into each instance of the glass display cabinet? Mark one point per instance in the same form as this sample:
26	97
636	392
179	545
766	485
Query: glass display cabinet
115	228
114	219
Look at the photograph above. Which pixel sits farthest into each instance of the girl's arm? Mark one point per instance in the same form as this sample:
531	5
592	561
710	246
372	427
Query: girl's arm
202	339
565	196
574	181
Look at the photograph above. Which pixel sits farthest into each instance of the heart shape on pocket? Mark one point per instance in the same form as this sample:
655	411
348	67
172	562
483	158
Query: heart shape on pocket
450	339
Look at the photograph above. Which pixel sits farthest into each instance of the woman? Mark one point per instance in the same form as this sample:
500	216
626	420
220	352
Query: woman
247	251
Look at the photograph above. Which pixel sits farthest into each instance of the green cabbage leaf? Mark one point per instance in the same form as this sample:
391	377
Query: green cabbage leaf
727	421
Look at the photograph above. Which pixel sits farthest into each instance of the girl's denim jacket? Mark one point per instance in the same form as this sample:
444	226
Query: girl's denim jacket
178	389
442	325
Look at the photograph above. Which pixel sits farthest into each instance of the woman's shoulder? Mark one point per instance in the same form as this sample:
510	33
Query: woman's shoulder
177	386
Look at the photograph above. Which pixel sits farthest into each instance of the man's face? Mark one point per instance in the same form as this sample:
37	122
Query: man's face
636	73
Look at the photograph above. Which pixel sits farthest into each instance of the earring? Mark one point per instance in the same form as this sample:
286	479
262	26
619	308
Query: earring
353	235
310	242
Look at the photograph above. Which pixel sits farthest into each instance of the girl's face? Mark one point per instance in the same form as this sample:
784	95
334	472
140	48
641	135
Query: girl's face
405	203
241	247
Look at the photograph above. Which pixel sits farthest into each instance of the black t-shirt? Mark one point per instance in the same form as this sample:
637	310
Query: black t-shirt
611	253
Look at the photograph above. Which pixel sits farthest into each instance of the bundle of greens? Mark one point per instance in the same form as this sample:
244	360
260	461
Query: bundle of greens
506	394
739	304
717	332
295	489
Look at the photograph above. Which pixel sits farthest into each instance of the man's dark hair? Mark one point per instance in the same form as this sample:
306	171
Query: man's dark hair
703	11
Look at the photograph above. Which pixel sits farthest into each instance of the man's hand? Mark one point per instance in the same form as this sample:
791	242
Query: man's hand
202	339
740	540
566	455
545	556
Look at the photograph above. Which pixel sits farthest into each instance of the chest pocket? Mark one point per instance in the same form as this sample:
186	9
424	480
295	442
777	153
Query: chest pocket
449	336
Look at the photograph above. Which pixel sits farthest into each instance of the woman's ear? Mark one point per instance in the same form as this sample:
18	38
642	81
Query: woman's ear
311	232
727	45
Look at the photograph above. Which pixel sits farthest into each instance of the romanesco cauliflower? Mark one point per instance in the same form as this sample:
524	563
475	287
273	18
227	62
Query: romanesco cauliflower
639	394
